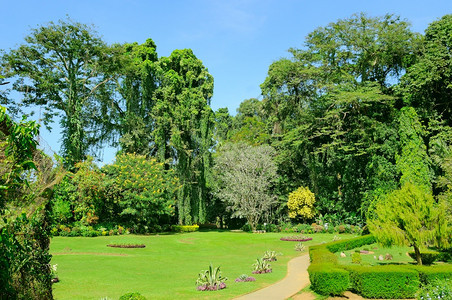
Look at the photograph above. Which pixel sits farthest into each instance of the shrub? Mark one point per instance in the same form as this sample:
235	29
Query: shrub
393	282
428	274
210	280
428	257
132	296
261	266
356	258
438	289
269	256
328	279
300	247
185	228
344	245
301	203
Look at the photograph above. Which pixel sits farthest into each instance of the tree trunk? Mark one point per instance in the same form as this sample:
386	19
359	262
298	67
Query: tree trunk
417	253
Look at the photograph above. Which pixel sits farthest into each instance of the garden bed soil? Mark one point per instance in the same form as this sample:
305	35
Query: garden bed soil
126	246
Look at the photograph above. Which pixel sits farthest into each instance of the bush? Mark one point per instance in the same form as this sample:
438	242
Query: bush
356	258
301	203
185	228
428	257
328	279
344	245
132	296
428	274
390	282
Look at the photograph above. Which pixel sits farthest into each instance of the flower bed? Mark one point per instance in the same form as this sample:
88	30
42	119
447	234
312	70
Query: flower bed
296	238
126	245
215	287
262	271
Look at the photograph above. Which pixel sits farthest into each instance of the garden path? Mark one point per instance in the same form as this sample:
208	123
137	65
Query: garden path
296	279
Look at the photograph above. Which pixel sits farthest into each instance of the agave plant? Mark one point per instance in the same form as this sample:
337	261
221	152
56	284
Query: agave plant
269	256
210	279
300	247
261	266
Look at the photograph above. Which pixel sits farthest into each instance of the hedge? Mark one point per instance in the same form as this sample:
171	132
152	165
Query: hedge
344	245
185	228
427	274
325	274
427	257
328	279
389	282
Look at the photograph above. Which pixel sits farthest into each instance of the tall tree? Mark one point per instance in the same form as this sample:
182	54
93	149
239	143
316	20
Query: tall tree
246	175
63	67
427	86
183	133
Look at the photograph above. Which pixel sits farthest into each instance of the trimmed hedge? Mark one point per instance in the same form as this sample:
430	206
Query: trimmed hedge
328	279
344	245
428	257
185	228
389	282
428	274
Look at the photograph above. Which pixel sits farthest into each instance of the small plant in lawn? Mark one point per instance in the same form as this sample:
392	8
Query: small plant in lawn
211	280
300	247
269	256
336	238
245	278
53	273
132	296
356	258
261	266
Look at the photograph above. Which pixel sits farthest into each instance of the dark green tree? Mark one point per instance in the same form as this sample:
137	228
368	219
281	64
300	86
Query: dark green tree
183	132
64	68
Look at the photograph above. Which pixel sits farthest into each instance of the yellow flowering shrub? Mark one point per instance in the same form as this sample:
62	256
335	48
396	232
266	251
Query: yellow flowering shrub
301	203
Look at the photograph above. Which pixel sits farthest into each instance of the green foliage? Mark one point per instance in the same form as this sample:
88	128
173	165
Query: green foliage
409	216
132	296
438	289
211	279
428	274
63	68
301	203
427	257
270	256
185	228
391	282
413	161
356	258
183	132
327	279
344	245
261	266
145	190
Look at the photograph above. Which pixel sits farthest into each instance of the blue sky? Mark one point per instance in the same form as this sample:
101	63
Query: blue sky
236	40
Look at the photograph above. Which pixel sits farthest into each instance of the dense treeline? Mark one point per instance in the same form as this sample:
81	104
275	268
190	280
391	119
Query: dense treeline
340	117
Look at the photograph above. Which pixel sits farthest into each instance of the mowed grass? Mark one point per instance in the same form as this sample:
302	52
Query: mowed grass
169	265
399	255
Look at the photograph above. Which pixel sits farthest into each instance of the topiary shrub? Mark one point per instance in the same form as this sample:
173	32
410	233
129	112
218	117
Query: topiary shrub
132	296
356	258
389	282
328	279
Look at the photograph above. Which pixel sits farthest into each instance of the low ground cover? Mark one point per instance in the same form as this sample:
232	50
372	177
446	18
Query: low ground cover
168	266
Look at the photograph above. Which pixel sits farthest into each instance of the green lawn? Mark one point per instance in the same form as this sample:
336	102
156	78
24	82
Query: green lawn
168	267
398	255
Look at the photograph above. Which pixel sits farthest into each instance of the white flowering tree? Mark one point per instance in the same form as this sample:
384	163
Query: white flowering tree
245	175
